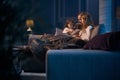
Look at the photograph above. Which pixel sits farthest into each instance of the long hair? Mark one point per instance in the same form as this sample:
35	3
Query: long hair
87	20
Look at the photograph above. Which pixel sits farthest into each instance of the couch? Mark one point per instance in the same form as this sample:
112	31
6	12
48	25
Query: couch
99	59
79	64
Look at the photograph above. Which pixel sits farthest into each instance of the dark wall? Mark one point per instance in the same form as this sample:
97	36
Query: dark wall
48	14
109	14
64	9
38	10
93	9
117	15
70	8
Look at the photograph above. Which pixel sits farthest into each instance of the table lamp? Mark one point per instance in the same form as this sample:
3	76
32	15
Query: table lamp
29	24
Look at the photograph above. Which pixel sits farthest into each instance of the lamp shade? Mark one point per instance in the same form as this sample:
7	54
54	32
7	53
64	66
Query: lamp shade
29	23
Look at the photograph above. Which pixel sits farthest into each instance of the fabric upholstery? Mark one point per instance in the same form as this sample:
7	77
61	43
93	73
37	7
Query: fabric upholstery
108	41
58	31
99	42
98	29
102	29
94	32
79	64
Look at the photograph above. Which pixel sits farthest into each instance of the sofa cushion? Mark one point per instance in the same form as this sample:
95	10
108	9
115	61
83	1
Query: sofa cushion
102	29
94	32
98	29
99	42
79	64
108	41
58	31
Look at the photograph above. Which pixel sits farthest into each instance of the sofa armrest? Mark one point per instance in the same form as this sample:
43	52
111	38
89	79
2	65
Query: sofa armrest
78	64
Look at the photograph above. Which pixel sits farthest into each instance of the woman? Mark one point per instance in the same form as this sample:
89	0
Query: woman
87	25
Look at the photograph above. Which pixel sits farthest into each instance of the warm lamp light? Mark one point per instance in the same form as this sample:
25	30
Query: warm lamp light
29	24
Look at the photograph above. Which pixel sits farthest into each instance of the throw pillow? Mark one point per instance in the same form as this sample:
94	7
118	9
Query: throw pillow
102	29
94	32
99	42
99	29
58	31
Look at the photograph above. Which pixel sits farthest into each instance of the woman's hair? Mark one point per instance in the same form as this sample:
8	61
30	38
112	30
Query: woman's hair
87	18
69	20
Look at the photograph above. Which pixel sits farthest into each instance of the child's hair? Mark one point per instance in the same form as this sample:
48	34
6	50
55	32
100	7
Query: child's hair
69	20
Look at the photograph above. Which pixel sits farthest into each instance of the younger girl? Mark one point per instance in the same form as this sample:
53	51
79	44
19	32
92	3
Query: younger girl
68	26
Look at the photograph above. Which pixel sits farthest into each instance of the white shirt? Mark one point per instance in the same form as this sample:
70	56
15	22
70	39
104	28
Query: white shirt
86	34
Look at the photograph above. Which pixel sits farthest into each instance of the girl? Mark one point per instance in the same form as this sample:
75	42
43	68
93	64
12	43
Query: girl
68	26
84	34
87	25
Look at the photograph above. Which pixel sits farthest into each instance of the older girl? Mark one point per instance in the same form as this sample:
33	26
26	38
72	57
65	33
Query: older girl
87	25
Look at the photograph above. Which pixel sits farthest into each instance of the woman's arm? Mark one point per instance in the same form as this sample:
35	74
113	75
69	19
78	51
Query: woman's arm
88	31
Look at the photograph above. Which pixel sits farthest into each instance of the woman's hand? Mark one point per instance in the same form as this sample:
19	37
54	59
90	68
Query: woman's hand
76	36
